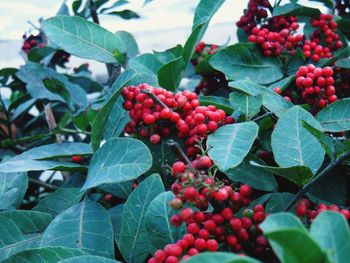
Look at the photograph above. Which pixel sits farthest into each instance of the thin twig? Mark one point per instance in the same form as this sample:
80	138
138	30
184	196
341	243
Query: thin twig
7	115
174	144
314	108
155	98
93	12
263	116
43	184
320	175
51	122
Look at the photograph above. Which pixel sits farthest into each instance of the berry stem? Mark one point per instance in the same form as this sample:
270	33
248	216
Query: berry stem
320	175
93	12
155	98
43	184
263	116
174	144
314	108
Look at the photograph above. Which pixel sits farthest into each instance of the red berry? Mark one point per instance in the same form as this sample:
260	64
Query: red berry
204	162
200	244
155	139
190	193
187	214
148	118
159	255
235	224
76	159
178	167
221	194
259	217
245	190
212	245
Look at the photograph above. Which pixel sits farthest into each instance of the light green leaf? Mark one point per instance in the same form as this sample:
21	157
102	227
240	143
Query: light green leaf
331	232
247	105
294	9
88	259
343	63
293	145
83	38
39	158
133	243
85	226
44	255
116	214
20	230
222	257
118	160
278	202
160	231
229	144
252	175
13	187
99	122
336	116
248	87
243	61
276	103
299	175
58	201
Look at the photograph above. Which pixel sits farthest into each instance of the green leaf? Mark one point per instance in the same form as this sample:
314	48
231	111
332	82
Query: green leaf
118	160
13	187
160	231
229	144
222	257
336	116
121	190
299	175
125	14
290	240
39	158
78	37
247	87
219	102
331	232
254	176
247	105
85	226
293	145
129	42
20	230
44	255
243	61
88	259
169	75
294	9
99	122
133	244
58	201
343	63
278	202
34	74
275	103
57	87
39	54
116	214
146	66
116	121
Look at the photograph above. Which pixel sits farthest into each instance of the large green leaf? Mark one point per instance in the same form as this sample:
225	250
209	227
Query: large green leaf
99	122
58	201
248	87
293	145
146	67
133	243
160	231
118	160
121	190
296	174
278	202
229	144
243	61
13	187
331	232
290	240
44	255
276	103
88	259
116	214
20	230
85	226
336	116
249	106
39	158
222	257
343	63
219	102
34	75
83	38
294	9
254	176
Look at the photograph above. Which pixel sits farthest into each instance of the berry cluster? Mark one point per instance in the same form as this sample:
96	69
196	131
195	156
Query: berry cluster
326	29
202	51
254	15
31	42
306	208
316	85
273	43
156	112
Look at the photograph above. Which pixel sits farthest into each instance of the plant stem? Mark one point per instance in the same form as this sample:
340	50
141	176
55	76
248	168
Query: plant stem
320	175
314	108
155	98
174	144
7	117
93	12
51	121
262	116
43	184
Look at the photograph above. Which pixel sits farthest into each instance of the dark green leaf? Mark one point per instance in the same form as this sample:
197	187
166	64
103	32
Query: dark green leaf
116	214
343	63
252	175
336	116
129	42
278	202
169	75
249	106
160	231
243	61
88	259
276	103
133	244
13	187
293	145
117	119
121	190
219	102
118	160
248	87
125	14
85	226
21	230
222	257
229	144
58	201
294	9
